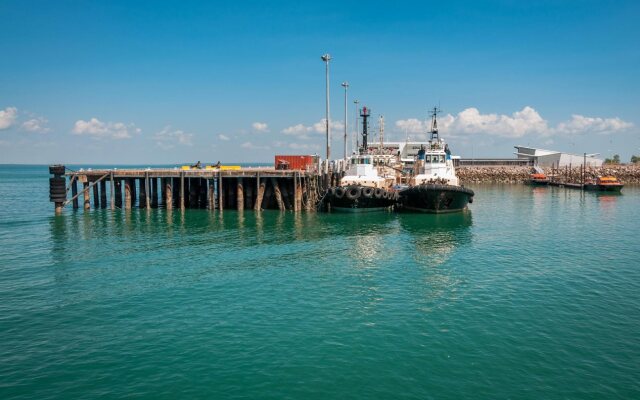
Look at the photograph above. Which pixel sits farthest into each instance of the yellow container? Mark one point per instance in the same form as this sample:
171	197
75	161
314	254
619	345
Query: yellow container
230	167
185	167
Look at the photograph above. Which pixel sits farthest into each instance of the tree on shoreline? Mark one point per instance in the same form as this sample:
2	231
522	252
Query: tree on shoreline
635	159
615	160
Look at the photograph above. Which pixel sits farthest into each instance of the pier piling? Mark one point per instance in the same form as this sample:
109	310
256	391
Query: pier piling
127	194
240	195
168	193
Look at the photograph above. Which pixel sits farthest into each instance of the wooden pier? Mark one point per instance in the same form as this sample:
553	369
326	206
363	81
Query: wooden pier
211	188
568	178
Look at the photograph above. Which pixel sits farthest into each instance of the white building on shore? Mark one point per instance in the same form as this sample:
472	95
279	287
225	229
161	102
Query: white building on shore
548	158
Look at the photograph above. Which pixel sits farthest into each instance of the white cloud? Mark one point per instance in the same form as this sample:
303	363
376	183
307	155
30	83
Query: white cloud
296	130
168	138
518	124
524	122
580	124
412	125
104	130
223	137
8	117
302	131
252	146
260	126
37	124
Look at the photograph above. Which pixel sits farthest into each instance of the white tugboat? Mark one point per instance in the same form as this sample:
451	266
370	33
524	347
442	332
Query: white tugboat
434	188
362	189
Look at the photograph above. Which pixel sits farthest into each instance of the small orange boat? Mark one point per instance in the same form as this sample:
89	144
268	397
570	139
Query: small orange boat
538	179
607	183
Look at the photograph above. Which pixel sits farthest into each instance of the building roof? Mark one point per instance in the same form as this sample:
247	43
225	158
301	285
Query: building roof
543	152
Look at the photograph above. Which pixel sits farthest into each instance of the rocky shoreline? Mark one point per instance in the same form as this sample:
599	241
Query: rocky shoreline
628	174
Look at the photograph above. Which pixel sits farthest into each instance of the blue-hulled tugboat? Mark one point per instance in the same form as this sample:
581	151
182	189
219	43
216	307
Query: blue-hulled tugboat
361	189
434	188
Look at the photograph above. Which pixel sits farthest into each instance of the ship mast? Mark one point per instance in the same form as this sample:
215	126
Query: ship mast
434	124
381	134
364	113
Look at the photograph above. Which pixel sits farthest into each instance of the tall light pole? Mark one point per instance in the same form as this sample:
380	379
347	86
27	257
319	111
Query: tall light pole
345	85
326	58
355	121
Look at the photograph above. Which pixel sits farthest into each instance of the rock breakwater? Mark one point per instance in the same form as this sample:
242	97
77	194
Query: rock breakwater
628	174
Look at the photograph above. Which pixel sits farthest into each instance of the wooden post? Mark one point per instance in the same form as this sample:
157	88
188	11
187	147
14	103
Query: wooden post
296	193
220	193
182	191
260	195
74	192
146	190
87	198
127	194
240	195
112	195
168	194
118	193
211	199
276	189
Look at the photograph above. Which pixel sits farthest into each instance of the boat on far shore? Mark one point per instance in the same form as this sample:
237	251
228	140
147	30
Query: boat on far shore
538	177
606	183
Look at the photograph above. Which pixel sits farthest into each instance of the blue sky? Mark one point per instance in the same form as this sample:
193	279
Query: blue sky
169	82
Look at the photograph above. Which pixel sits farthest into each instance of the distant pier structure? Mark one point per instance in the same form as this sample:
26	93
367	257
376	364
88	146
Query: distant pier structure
236	188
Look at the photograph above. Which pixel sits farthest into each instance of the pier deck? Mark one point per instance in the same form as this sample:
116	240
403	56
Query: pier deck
211	188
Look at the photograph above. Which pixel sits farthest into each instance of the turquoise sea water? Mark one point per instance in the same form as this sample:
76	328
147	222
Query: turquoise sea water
534	293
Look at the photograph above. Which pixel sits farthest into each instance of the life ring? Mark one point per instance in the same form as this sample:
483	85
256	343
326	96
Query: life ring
339	192
367	192
352	192
379	193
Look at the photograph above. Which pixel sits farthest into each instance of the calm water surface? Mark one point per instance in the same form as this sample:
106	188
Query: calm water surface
533	293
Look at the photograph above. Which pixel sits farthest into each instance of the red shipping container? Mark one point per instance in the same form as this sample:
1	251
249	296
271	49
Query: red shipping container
295	162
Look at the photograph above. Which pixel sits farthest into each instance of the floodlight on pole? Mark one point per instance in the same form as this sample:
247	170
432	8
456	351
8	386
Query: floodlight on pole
326	58
345	85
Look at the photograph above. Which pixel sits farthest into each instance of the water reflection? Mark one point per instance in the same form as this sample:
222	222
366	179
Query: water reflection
434	241
436	236
608	201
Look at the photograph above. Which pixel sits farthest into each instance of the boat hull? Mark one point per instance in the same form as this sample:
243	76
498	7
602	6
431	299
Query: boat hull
538	182
603	188
356	198
434	198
